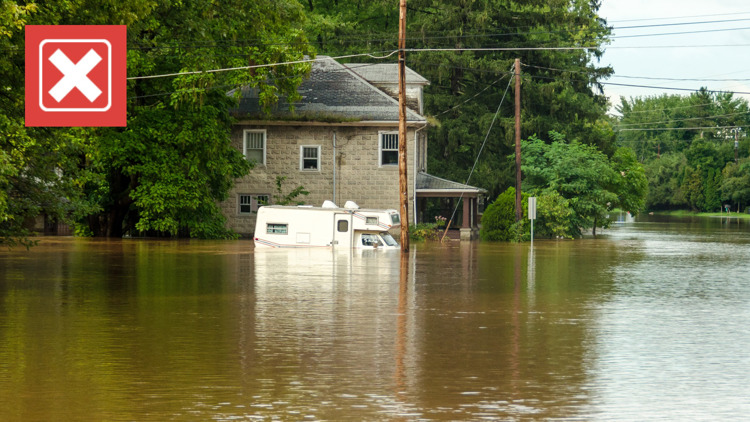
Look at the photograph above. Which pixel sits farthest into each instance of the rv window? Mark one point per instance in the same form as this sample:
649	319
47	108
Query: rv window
372	220
370	240
395	219
343	226
276	229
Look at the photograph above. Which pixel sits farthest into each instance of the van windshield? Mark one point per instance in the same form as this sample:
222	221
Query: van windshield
388	239
370	239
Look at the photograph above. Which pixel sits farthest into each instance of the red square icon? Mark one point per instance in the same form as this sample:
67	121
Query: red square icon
76	75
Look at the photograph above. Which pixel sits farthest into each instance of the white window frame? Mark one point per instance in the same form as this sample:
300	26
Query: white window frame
254	202
381	149
302	157
245	142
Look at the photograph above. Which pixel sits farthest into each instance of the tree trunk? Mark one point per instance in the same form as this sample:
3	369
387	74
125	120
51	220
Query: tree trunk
120	186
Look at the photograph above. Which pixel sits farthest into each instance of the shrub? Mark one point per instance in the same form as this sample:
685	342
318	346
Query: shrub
499	219
424	231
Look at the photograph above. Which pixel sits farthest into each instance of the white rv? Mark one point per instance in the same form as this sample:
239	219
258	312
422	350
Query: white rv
326	226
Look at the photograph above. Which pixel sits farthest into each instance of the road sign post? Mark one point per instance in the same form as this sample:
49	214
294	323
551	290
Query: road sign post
532	215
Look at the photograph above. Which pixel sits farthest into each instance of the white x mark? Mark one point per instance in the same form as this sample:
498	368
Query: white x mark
75	75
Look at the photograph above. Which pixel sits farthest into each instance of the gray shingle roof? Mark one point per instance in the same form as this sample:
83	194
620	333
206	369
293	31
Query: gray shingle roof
381	73
428	182
331	92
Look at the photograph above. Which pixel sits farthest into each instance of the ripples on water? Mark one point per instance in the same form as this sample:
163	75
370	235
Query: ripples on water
648	322
672	341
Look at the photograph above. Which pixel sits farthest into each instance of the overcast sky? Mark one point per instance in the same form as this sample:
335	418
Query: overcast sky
694	53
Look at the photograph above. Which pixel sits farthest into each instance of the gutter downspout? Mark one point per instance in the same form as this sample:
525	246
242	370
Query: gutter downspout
416	168
334	167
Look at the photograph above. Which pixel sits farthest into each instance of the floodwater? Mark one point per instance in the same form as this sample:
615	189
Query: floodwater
650	321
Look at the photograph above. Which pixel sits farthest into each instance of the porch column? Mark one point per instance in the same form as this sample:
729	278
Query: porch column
467	213
475	211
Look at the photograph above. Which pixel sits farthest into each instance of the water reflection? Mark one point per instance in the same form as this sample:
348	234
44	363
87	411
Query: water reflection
646	322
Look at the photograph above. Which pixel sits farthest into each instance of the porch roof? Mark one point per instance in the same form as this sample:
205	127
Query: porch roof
429	185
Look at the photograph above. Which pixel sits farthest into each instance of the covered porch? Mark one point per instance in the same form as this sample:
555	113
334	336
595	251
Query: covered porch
437	197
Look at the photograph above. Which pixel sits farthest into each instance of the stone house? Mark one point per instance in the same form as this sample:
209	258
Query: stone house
340	143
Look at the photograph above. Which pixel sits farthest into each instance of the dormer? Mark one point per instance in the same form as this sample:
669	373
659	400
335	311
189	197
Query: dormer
384	76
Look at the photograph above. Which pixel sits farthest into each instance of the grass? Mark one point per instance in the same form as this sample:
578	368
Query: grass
684	213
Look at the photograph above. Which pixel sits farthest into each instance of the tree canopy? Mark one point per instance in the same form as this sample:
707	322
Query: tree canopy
165	171
592	184
560	92
688	146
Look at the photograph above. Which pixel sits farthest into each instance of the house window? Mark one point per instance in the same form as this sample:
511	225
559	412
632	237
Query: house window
309	157
254	146
388	148
249	204
276	229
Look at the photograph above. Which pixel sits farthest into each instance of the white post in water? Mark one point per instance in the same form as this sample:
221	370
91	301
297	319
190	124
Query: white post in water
532	215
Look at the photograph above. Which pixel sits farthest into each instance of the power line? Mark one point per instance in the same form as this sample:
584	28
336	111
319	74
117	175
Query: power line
669	108
718	116
679	128
481	148
194	72
683	23
679	33
471	98
615	75
371	55
683	17
644	86
712	91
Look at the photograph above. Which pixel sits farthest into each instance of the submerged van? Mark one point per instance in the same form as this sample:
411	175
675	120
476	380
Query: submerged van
326	226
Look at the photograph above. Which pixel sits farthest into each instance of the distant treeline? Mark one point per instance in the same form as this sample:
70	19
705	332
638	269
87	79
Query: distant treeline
694	149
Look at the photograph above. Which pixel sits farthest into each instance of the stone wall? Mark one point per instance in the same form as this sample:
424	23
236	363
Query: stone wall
359	177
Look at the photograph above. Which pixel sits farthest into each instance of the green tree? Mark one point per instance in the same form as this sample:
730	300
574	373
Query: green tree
711	192
165	172
553	215
665	187
38	166
694	191
632	185
684	142
560	92
735	186
584	176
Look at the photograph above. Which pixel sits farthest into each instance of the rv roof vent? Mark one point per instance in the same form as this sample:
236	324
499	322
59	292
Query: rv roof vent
329	204
351	205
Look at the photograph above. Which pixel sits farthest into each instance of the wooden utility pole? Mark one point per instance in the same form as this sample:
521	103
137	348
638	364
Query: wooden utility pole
519	210
403	184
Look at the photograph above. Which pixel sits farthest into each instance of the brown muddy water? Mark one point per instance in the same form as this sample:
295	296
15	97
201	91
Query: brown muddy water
649	322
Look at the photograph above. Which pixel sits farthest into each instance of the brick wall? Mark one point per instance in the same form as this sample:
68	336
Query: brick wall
359	177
